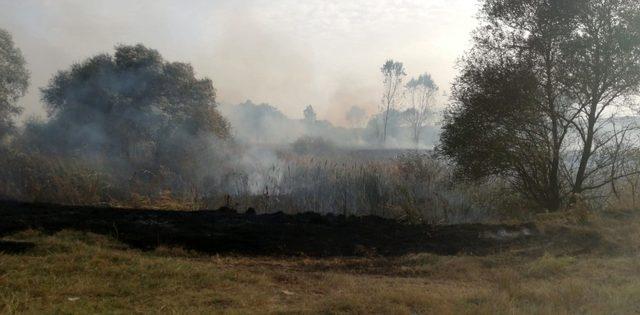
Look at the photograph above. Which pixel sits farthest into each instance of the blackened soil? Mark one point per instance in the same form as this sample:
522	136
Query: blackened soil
15	247
225	231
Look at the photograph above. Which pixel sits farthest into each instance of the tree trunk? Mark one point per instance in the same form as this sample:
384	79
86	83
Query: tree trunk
555	198
386	119
586	150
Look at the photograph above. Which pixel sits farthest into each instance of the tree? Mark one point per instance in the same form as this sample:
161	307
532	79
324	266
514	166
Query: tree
134	107
355	116
493	129
604	67
541	74
422	93
310	114
258	123
373	129
393	73
14	81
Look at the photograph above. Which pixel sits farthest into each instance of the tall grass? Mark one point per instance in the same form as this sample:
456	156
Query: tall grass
409	186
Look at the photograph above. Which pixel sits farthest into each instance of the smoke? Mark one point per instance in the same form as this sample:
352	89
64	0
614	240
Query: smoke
263	124
288	53
347	96
261	65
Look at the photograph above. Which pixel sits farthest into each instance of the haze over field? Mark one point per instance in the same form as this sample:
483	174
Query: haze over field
320	156
289	54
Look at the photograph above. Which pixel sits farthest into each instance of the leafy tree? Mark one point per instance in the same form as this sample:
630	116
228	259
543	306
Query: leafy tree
603	67
541	74
14	81
493	129
136	107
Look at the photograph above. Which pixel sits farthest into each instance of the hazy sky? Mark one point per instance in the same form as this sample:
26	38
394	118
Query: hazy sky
289	53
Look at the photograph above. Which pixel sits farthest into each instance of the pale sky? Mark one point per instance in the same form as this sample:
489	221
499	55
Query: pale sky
290	53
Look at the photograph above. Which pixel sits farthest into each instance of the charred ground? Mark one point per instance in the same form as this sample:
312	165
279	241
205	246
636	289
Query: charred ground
308	234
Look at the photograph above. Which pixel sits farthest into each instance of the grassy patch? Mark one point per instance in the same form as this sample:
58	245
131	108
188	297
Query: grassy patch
74	272
549	265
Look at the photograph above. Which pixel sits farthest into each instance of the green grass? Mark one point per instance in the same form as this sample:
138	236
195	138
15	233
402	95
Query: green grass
78	273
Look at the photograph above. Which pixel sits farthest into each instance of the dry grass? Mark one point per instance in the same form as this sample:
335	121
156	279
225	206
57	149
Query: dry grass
73	272
412	187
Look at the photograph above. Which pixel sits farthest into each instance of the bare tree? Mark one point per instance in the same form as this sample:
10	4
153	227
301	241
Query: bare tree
393	73
422	92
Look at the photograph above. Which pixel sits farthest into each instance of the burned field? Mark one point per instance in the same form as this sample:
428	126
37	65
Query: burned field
65	259
225	231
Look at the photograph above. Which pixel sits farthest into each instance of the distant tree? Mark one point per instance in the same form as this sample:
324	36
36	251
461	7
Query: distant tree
310	114
132	105
258	122
355	116
393	74
395	121
14	81
538	91
422	92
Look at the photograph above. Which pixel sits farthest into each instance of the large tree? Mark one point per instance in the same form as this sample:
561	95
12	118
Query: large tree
541	74
136	108
14	80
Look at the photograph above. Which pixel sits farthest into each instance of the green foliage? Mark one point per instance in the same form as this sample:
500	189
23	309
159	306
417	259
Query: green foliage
482	130
14	80
148	123
131	105
535	86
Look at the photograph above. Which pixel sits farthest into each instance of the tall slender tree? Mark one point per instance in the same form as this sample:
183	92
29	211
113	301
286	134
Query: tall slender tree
393	73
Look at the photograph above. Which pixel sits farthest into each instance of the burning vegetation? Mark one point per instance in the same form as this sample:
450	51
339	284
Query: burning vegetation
541	119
